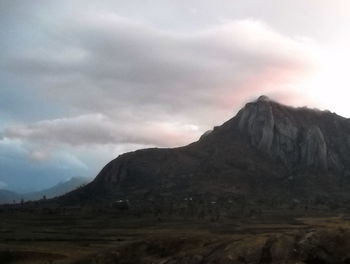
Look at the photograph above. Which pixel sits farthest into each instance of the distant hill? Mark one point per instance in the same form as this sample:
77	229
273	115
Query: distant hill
267	153
61	188
7	196
57	190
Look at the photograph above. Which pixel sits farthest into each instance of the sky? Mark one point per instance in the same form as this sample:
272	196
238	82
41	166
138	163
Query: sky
84	81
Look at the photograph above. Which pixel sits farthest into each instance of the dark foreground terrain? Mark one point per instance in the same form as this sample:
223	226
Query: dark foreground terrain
87	235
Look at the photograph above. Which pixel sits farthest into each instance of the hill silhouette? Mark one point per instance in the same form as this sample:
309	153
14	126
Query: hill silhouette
267	152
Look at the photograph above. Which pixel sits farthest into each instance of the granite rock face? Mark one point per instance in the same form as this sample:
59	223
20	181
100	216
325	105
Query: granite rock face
258	121
314	149
286	135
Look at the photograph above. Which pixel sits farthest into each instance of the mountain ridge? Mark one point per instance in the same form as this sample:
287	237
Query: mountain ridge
267	150
61	188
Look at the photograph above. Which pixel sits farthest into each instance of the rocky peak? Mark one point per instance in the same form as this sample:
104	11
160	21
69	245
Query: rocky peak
276	130
263	98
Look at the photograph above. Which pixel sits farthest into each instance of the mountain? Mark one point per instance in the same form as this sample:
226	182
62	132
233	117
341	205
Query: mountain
58	189
267	152
7	196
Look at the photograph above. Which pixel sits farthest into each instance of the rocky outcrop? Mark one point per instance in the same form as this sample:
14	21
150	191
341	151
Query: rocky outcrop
285	142
206	133
314	149
258	121
273	129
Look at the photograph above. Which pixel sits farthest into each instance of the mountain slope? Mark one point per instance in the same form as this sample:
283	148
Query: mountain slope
267	150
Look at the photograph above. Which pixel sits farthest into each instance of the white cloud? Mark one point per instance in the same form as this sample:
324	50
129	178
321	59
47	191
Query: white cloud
39	156
97	129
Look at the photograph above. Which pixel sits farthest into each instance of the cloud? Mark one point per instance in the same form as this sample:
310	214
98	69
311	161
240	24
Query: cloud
97	129
102	62
98	84
39	156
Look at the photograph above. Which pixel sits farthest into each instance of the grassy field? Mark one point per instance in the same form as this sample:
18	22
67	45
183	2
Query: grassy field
92	236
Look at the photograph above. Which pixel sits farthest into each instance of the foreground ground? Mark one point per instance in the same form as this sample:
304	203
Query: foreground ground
93	236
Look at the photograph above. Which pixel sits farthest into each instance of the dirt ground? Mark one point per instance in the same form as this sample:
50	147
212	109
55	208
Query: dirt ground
93	236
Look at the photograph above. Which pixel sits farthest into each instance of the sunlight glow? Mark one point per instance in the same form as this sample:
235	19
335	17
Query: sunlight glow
328	86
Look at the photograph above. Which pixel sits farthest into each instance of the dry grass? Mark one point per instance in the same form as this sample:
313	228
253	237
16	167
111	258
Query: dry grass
88	237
